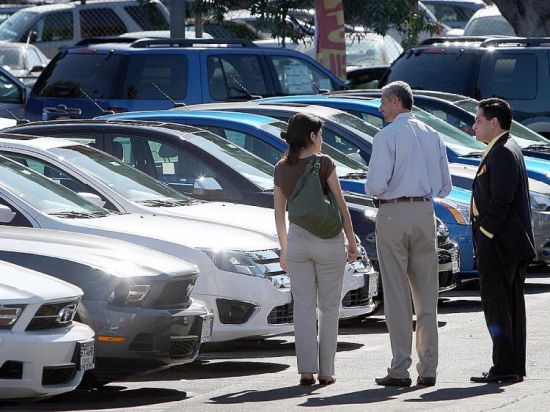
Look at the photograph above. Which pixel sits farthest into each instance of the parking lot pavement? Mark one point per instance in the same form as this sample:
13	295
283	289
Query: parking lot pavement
246	376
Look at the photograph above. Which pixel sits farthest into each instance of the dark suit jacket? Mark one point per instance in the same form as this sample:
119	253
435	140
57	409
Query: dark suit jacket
501	195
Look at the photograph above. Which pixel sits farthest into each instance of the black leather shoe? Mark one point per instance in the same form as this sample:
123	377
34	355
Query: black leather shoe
490	377
327	381
389	381
307	381
425	381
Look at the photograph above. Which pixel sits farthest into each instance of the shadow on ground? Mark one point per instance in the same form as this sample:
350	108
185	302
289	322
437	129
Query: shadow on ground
108	397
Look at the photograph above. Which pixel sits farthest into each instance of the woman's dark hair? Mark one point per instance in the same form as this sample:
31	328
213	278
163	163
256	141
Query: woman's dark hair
300	127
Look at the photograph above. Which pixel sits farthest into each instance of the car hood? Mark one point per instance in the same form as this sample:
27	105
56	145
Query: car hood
188	232
21	285
258	219
111	256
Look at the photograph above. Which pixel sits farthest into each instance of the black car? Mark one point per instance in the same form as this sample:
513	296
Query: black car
516	69
243	177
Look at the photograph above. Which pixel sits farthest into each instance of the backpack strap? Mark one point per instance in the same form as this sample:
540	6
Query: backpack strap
316	166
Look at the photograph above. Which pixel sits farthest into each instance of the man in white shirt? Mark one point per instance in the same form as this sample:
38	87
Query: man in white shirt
408	168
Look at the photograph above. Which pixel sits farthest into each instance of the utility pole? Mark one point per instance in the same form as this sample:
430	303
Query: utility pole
177	19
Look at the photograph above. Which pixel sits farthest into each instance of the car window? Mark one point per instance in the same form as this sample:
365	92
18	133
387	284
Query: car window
99	75
436	69
296	76
12	58
451	14
503	75
147	74
489	25
235	76
148	17
54	27
15	25
100	22
9	93
342	144
33	59
249	142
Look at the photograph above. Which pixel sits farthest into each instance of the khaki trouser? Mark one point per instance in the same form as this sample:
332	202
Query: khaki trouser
316	269
407	252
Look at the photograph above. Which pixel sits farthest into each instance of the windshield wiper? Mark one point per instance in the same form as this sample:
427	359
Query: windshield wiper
78	215
354	175
167	202
473	154
539	147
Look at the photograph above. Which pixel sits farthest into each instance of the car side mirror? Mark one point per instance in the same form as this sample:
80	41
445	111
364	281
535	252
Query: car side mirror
205	185
6	214
36	69
93	198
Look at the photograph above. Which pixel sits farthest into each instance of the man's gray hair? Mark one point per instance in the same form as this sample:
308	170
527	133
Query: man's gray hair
402	91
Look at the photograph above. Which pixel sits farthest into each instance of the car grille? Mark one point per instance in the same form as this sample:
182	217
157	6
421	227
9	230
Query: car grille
54	315
143	342
11	370
176	292
183	347
356	297
56	375
281	315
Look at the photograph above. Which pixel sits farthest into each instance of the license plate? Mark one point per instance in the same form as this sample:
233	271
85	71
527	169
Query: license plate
373	284
454	263
206	334
86	358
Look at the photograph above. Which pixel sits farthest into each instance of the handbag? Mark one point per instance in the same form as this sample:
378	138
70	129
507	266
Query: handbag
310	208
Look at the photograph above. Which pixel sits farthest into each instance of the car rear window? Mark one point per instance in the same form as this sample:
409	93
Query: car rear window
504	75
437	69
148	17
98	75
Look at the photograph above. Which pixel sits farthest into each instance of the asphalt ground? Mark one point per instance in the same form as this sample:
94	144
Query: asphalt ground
254	375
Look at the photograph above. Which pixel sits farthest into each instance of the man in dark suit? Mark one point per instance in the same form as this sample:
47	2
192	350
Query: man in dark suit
503	239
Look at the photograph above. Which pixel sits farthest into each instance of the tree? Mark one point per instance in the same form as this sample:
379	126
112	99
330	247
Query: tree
529	18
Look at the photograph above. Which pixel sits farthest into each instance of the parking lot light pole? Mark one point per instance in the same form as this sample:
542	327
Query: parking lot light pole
177	19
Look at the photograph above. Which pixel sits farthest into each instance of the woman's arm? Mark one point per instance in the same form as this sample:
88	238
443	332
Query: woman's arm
334	186
279	201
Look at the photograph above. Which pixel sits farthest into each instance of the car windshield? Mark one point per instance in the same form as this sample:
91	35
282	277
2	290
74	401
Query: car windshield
252	167
127	181
11	57
345	166
11	28
455	139
523	135
44	194
356	125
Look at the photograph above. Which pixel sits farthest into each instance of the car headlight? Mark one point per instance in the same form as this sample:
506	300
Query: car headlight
236	262
129	294
539	201
442	229
9	315
460	211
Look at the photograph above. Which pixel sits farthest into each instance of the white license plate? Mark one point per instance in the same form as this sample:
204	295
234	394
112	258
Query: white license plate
373	285
86	362
454	264
206	334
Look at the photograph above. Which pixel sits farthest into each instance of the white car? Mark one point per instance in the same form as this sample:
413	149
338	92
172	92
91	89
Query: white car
241	281
43	352
125	189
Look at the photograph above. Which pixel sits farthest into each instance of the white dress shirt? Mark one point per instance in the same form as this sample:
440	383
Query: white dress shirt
408	158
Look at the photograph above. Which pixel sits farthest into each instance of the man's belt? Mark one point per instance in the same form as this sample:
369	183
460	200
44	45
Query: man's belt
409	199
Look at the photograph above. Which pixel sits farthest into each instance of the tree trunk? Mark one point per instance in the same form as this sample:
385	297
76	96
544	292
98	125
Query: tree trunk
529	18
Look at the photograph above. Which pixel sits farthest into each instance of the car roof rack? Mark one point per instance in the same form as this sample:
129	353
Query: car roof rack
173	42
526	41
463	39
101	40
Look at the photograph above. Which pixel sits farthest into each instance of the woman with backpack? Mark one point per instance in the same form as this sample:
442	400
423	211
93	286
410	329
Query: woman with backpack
313	252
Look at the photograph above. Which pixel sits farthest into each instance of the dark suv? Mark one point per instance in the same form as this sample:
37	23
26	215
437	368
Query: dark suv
516	69
125	74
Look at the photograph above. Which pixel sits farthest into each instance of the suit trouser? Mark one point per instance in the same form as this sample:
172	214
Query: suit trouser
316	269
504	307
407	252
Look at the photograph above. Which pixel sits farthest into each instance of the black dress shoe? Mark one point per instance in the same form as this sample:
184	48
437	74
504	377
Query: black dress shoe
490	377
425	381
389	381
327	381
307	381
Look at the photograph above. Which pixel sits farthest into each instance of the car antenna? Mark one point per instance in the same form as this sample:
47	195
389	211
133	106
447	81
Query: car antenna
17	119
95	103
168	97
319	90
244	89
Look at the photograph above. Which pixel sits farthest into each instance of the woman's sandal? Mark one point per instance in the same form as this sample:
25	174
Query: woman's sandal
327	381
307	381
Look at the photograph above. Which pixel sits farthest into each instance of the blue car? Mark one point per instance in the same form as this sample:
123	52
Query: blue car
260	135
461	148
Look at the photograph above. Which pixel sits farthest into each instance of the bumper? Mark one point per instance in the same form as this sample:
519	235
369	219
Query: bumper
541	232
46	357
133	340
359	287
